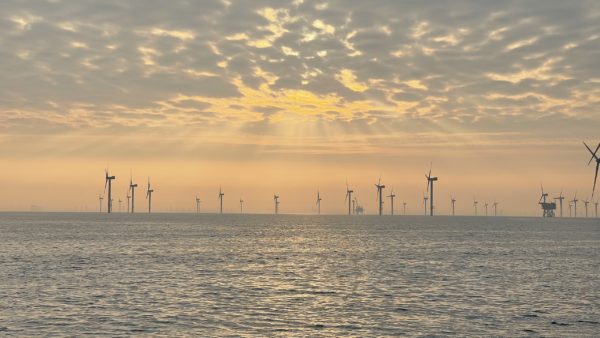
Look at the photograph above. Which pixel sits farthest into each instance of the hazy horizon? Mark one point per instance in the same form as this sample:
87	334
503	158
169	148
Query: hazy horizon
291	97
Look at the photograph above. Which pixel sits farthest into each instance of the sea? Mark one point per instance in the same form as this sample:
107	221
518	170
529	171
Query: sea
207	275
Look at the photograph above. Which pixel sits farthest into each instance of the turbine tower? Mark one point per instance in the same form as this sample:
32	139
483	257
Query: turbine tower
560	199
453	201
404	208
586	203
197	204
594	157
425	198
108	181
241	206
486	208
128	198
149	196
276	200
132	187
319	199
596	205
100	198
430	181
495	208
349	198
391	196
574	201
380	188
475	206
220	198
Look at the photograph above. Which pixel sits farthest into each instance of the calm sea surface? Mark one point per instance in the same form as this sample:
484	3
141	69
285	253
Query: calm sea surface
212	275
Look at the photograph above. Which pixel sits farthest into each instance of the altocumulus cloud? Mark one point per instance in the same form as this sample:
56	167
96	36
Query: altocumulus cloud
377	67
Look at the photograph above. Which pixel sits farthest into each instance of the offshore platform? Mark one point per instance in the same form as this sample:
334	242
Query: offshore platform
547	207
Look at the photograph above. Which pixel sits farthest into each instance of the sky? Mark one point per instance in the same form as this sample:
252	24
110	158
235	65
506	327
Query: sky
295	97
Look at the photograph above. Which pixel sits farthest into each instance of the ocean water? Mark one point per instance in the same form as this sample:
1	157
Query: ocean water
261	275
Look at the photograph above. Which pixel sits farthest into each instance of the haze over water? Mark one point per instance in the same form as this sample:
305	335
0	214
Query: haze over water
209	275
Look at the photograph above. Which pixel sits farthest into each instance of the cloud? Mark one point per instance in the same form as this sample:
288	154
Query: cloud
377	68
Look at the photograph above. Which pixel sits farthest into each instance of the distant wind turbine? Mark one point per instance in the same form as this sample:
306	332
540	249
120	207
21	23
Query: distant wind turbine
132	187
453	201
276	200
560	199
430	180
404	208
380	188
475	206
594	157
586	203
149	196
391	196
425	198
319	199
100	198
495	208
128	198
220	198
486	208
197	204
574	201
241	206
570	209
108	181
349	198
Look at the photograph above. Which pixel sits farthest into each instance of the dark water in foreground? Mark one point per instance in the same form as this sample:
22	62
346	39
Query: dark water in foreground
210	275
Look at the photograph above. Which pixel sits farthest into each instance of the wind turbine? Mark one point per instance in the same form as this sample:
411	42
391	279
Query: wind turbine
391	196
404	208
495	208
570	209
596	204
132	187
220	198
349	198
128	198
594	157
453	201
586	202
425	198
276	200
486	208
574	201
475	206
430	181
560	199
197	204
319	199
241	206
100	198
149	196
108	181
380	188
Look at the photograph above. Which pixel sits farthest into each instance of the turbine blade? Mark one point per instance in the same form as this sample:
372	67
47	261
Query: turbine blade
595	178
592	152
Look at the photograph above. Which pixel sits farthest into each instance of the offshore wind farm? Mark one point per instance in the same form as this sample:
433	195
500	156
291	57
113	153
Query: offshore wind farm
299	168
548	208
